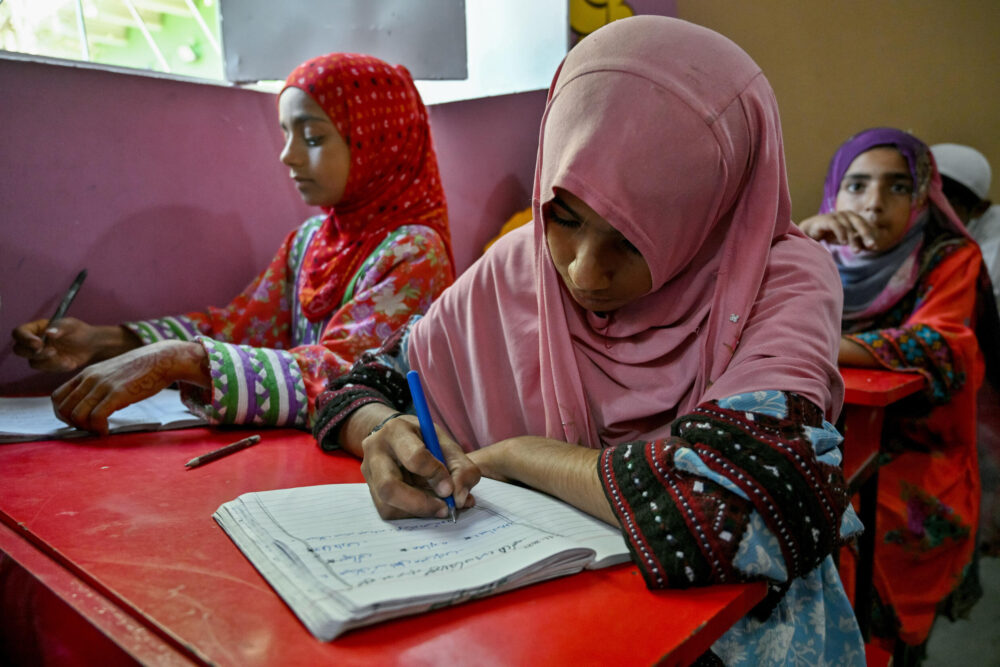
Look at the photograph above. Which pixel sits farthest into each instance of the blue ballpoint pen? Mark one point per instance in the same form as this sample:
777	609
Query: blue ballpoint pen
427	428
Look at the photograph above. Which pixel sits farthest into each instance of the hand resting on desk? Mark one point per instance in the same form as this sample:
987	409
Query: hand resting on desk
118	370
88	399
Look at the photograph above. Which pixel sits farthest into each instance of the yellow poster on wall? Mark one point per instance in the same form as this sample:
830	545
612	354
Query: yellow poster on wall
586	16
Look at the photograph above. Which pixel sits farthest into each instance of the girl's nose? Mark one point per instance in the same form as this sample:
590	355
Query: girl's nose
874	199
589	270
288	155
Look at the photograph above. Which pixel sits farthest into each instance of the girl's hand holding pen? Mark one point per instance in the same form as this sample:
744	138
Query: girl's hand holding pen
69	344
404	478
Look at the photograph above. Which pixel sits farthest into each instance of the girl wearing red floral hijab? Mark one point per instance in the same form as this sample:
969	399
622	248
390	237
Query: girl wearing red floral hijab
358	145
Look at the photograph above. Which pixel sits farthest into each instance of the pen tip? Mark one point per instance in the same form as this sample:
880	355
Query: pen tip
453	514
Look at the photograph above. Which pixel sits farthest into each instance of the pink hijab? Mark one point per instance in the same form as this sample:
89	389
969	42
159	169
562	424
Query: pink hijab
670	132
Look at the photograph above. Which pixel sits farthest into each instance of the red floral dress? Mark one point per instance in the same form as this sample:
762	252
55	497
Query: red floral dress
268	362
929	494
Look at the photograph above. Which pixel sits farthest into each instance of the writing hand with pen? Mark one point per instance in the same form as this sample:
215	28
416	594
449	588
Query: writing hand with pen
405	479
117	370
65	345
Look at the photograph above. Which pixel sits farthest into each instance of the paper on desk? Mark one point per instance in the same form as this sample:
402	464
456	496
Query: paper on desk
33	418
338	565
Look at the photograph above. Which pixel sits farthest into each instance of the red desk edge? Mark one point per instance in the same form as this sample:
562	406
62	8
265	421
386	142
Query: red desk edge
878	387
148	638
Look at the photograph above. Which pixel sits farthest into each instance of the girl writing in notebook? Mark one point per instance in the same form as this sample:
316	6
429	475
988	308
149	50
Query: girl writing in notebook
911	275
658	347
357	145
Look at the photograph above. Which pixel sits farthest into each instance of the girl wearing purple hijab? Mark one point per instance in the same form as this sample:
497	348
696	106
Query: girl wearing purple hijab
910	274
656	348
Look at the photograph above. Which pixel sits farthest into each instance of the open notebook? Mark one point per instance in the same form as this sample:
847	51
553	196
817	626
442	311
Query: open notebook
32	418
338	565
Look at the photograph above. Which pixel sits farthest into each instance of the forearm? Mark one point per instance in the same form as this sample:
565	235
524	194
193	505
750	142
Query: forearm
111	341
852	354
377	377
568	472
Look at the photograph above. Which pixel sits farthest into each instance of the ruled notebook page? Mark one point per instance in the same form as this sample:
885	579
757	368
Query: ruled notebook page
327	552
554	516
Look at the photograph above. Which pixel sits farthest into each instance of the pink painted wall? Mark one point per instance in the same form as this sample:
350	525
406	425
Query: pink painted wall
171	195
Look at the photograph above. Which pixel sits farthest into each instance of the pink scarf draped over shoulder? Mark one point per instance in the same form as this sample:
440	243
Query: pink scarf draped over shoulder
670	132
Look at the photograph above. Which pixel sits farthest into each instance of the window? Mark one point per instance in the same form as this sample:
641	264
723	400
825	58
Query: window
456	49
172	36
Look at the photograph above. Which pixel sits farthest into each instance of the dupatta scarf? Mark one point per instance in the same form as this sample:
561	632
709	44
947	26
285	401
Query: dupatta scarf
671	133
393	178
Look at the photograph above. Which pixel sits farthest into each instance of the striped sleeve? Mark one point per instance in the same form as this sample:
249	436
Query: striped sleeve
250	385
179	327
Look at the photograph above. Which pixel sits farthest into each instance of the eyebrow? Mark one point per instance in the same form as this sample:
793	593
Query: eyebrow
862	176
302	119
558	201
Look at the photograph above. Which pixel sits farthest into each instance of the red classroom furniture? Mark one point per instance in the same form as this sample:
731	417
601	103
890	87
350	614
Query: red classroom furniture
868	392
120	531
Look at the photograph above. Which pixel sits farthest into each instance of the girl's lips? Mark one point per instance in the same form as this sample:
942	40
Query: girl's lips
595	303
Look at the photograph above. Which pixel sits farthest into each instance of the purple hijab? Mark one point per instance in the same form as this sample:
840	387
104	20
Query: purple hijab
874	282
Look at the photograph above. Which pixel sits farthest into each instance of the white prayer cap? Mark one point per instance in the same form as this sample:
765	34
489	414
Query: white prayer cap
965	165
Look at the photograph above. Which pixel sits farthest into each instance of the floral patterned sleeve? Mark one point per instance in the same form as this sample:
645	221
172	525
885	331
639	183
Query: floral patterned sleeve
268	362
934	338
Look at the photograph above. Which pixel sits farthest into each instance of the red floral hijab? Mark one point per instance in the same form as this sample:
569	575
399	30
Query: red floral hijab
393	179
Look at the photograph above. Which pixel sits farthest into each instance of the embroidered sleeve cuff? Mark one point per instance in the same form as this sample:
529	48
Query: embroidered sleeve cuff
368	382
250	386
665	512
335	406
685	502
920	349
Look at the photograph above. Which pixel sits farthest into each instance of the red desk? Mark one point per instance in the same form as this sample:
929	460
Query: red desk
122	532
867	393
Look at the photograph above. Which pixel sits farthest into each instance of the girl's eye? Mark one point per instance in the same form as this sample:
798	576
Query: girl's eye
314	141
629	247
854	187
569	223
902	188
560	216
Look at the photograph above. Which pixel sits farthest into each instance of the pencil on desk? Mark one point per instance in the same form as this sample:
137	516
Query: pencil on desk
223	451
